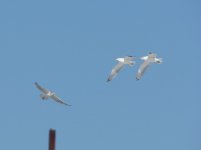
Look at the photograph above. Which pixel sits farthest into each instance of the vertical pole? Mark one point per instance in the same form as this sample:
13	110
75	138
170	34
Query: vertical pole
52	139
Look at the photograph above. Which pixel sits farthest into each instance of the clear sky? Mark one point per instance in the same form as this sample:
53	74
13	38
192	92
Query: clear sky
70	47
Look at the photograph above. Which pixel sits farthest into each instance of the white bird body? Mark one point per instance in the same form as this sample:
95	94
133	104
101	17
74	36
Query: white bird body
127	60
46	94
148	60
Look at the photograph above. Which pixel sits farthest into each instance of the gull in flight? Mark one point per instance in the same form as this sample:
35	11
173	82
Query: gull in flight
127	60
151	58
48	94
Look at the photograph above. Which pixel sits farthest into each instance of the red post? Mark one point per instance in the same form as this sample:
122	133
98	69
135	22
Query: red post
52	139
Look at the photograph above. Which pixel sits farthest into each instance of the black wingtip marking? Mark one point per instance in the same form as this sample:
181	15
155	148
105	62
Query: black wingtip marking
108	80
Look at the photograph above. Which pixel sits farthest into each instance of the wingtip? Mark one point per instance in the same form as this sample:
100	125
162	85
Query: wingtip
108	80
68	104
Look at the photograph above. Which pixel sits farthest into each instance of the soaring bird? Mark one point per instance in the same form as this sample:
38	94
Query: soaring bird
48	94
148	60
127	60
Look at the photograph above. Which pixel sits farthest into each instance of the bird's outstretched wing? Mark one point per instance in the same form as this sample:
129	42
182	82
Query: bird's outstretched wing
57	99
41	88
115	71
142	69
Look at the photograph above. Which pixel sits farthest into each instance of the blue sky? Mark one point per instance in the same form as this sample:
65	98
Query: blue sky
70	47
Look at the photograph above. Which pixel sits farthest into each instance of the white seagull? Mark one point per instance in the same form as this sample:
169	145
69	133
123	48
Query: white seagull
127	60
151	58
46	94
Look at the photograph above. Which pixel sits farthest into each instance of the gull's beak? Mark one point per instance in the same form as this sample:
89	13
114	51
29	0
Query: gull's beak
159	60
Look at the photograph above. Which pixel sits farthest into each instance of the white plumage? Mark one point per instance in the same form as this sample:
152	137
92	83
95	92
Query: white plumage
127	60
148	60
48	94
